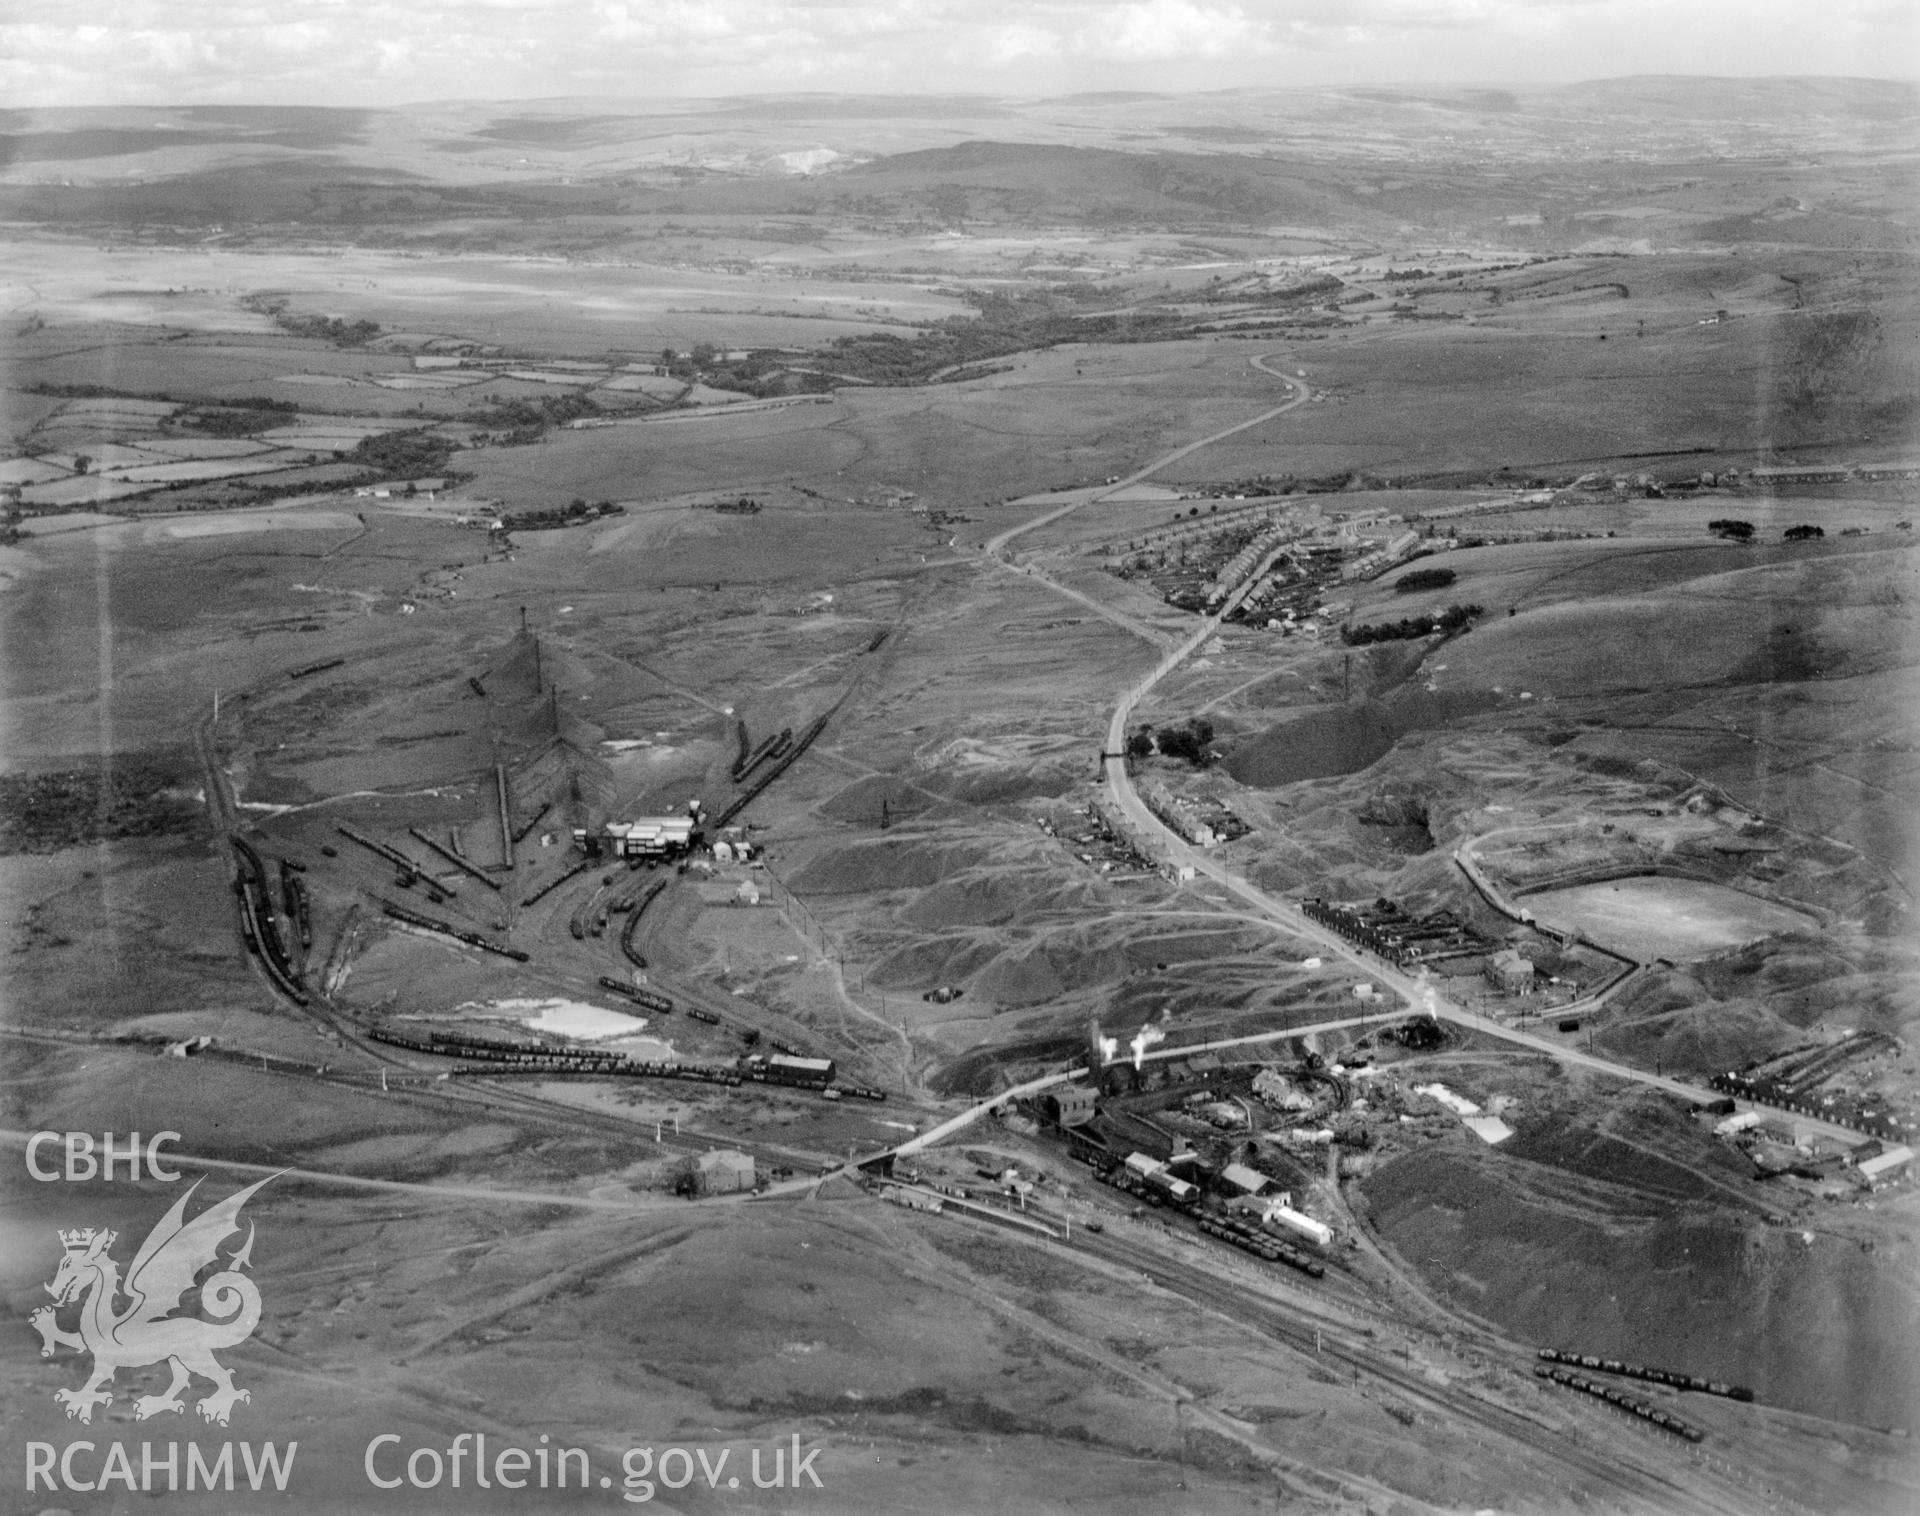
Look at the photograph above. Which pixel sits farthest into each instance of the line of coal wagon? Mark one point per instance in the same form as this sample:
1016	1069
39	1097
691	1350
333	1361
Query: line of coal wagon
524	1057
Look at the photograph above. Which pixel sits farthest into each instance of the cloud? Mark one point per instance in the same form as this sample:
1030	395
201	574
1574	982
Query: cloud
1164	30
380	52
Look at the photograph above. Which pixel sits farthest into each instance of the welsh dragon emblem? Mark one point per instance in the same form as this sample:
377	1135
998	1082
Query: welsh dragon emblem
145	1330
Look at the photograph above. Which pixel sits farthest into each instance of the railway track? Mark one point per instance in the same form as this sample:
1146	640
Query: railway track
1649	1489
638	908
499	1096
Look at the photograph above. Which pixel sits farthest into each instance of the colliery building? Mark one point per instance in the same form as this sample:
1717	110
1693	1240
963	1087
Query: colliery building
1072	1106
642	837
723	1173
784	1068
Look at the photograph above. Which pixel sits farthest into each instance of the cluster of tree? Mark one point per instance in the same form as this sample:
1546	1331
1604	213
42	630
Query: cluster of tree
1737	531
1424	579
765	378
576	513
1192	741
1421	1035
970	371
341	333
1302	293
401	455
1454	618
335	329
1803	533
746	505
688	365
1008	322
1352	1132
241	418
79	391
526	420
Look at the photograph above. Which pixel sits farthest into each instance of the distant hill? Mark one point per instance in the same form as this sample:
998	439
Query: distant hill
1667	116
1374	161
1000	181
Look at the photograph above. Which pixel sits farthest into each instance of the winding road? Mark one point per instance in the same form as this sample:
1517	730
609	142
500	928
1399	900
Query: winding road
994	546
1417	993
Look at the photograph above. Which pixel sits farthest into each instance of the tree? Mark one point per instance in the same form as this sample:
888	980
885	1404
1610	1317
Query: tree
1803	533
1191	741
1738	531
81	463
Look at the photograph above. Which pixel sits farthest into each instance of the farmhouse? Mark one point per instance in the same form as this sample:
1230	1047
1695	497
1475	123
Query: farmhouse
723	1173
1510	972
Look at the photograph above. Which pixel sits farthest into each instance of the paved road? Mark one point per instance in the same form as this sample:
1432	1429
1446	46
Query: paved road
1301	394
973	1113
1279	1034
1418	993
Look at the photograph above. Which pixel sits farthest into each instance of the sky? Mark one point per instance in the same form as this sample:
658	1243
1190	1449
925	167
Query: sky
393	52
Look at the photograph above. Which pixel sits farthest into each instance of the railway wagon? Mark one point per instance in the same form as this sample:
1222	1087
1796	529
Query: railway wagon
446	929
802	1073
1663	1419
538	1057
1262	1245
637	995
1669	1377
771	747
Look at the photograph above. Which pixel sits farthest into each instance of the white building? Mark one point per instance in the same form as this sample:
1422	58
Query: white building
1299	1223
643	837
1886	1166
1458	1104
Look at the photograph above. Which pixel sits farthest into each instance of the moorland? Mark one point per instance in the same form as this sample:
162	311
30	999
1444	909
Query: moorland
398	497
